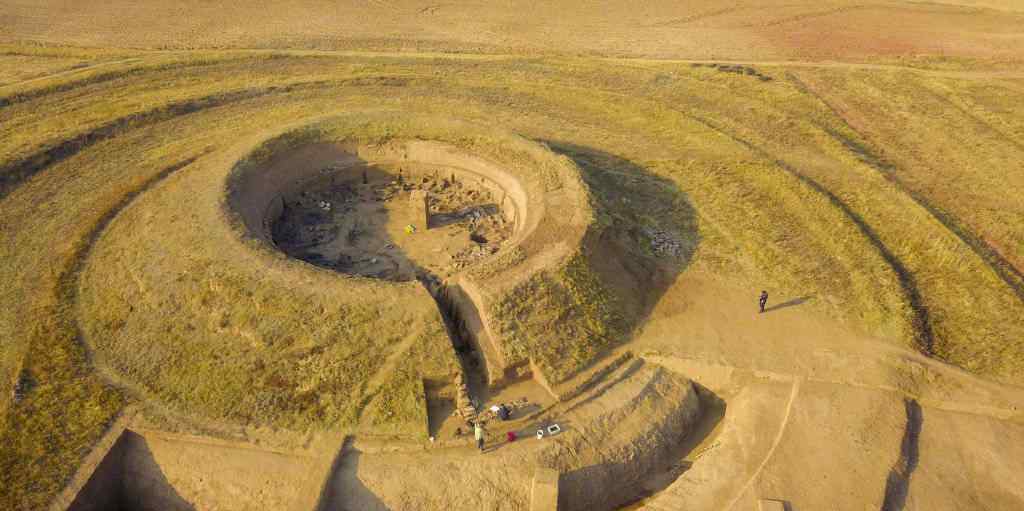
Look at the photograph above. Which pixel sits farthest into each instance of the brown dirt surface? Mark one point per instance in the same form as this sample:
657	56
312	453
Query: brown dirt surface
616	430
793	404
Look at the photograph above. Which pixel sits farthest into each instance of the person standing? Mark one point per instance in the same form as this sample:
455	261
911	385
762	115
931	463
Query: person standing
763	301
479	433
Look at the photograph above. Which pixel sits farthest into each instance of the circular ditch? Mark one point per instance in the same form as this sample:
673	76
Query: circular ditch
406	210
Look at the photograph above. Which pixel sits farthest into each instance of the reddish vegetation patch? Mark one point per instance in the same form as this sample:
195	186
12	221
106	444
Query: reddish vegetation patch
890	32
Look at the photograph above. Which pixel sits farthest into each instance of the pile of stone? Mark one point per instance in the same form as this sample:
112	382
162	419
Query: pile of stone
464	406
663	243
471	254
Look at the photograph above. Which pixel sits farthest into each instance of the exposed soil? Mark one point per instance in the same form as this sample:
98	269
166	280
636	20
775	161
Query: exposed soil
362	221
611	436
683	455
149	471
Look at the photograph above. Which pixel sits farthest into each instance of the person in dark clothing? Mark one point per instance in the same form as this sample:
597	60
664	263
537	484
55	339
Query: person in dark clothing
504	412
764	300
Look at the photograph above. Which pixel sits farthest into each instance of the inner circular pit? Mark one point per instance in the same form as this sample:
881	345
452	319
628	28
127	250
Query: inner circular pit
398	211
392	221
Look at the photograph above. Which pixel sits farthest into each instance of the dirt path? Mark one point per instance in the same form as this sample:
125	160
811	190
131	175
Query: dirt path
699	320
642	61
847	403
775	444
67	72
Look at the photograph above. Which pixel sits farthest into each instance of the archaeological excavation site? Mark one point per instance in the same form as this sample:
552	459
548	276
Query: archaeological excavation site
511	256
473	283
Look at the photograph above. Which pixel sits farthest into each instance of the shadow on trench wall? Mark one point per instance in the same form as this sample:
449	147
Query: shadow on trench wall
129	479
629	484
155	471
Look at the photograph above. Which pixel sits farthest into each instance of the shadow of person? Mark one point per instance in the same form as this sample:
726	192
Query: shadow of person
344	491
792	303
897	484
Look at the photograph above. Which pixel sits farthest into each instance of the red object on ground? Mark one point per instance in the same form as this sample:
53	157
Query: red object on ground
511	436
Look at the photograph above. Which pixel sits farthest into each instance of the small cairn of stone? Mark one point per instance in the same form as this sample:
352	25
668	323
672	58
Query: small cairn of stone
663	243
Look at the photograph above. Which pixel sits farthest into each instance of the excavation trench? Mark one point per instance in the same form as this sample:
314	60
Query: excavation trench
467	348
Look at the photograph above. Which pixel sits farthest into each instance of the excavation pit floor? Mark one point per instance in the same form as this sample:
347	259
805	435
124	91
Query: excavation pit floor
368	227
526	397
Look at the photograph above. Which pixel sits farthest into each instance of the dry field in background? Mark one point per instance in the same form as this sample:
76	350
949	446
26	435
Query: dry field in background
893	30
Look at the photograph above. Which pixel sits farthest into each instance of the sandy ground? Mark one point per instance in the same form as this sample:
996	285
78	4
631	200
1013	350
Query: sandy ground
823	418
612	436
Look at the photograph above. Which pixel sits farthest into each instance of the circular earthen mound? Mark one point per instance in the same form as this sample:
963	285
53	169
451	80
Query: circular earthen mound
210	317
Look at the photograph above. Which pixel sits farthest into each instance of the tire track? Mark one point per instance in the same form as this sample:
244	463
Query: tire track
809	16
775	444
975	118
697	17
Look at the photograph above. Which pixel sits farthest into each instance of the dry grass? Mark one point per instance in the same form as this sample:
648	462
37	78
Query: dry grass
19	68
562	319
951	149
769	186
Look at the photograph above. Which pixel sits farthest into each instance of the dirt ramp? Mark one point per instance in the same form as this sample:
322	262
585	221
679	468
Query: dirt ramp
615	435
618	438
